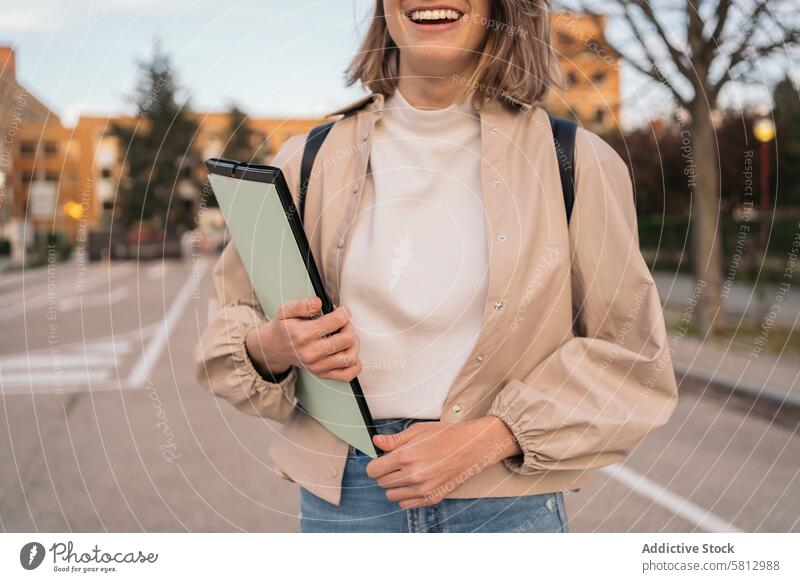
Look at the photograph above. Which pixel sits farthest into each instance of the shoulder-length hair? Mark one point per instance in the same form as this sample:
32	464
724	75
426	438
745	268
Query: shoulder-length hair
517	62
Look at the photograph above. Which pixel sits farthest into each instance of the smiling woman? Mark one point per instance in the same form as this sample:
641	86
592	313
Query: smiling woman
435	213
503	45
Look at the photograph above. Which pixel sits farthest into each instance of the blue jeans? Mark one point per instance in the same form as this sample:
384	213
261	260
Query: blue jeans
364	507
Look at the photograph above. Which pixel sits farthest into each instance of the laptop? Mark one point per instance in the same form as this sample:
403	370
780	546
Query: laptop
262	219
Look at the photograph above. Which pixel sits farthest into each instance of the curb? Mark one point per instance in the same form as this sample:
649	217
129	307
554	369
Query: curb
742	386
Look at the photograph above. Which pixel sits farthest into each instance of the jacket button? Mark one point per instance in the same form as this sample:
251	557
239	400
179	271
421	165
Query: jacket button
495	129
479	359
498	305
355	188
340	243
456	409
496	183
501	237
333	472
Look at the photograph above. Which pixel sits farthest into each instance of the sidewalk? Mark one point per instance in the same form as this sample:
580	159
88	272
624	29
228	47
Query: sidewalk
766	376
763	375
676	289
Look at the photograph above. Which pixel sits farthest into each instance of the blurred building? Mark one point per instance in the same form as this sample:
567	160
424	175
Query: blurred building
102	156
29	131
590	69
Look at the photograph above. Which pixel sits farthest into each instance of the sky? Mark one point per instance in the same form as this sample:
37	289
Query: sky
273	58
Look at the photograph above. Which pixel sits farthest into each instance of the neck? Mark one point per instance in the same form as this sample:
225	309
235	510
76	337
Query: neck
426	90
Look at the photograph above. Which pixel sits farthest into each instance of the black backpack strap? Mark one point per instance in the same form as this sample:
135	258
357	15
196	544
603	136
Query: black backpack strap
314	142
564	131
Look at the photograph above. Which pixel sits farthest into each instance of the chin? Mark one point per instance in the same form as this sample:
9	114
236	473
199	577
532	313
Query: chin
440	60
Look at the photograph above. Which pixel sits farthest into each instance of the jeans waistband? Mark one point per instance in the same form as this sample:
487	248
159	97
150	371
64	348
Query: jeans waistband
386	426
395	425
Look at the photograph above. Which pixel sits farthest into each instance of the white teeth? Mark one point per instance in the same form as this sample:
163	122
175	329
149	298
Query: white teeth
443	14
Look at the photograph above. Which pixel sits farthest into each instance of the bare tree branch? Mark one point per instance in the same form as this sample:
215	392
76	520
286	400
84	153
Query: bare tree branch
652	69
677	55
723	8
746	51
755	16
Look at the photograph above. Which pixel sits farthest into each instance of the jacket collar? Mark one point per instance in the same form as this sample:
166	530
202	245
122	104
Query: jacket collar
374	102
357	104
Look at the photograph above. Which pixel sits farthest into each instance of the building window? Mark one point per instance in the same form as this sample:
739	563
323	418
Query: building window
572	79
51	177
600	116
50	148
27	177
27	148
564	39
105	173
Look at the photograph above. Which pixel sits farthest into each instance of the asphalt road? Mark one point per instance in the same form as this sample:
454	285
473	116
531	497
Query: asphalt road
102	427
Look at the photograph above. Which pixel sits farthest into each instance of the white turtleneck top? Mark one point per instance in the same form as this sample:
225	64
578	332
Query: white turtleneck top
415	274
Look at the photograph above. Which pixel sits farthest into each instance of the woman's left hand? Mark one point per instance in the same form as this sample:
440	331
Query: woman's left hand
429	460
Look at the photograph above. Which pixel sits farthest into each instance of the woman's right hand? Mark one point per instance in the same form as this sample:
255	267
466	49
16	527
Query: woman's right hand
327	346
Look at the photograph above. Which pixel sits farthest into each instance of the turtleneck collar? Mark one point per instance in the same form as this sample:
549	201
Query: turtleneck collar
426	120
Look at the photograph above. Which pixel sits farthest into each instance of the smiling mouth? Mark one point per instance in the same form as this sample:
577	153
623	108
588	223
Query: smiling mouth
436	16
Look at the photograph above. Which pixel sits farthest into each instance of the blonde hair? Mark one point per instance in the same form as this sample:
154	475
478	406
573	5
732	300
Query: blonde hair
517	63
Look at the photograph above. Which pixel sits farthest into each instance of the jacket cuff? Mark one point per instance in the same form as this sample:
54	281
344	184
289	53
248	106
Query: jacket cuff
276	378
524	463
246	370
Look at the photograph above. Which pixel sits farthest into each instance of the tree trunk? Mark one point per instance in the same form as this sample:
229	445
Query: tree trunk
702	174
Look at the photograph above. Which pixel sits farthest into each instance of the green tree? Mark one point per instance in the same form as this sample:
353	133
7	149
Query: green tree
241	144
159	158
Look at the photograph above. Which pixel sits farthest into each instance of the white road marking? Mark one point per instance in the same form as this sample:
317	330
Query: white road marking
67	368
74	365
94	365
142	370
680	506
51	379
15	307
98	300
42	360
156	271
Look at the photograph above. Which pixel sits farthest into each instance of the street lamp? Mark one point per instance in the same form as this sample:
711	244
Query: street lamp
764	131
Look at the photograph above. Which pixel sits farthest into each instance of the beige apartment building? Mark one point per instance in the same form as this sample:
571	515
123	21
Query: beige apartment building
65	179
590	70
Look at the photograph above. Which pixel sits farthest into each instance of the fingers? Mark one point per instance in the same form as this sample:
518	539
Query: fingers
399	494
381	466
332	322
302	331
389	442
342	374
304	308
334	351
395	479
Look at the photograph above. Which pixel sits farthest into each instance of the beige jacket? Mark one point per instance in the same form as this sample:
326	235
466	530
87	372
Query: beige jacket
573	355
